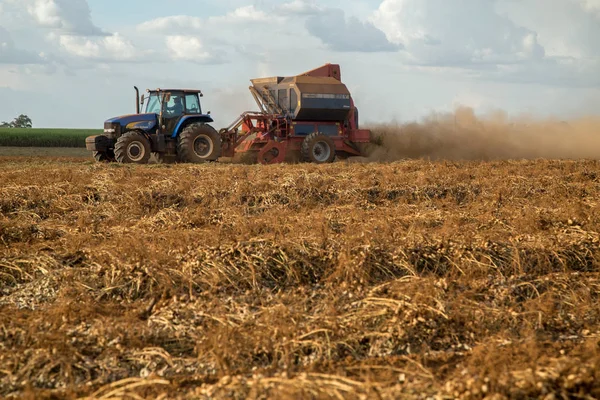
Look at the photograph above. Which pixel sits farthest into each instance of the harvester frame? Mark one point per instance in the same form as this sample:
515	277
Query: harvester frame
274	134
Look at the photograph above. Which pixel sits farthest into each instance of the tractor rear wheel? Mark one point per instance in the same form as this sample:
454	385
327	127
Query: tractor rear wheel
132	148
199	143
104	156
318	148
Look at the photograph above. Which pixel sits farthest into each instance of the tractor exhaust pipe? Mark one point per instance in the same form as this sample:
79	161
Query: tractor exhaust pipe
137	100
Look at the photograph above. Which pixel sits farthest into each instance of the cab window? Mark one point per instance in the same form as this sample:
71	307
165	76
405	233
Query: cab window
174	106
192	105
153	104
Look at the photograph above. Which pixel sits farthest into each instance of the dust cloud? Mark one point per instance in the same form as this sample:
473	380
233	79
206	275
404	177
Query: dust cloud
464	136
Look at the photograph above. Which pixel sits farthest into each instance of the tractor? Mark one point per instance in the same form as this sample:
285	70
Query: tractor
172	127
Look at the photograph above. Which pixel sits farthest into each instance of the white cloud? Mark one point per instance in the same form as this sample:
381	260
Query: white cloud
484	53
348	34
183	33
243	15
333	27
175	23
300	7
68	16
183	24
80	47
567	29
188	48
555	72
46	13
591	5
10	54
439	32
114	47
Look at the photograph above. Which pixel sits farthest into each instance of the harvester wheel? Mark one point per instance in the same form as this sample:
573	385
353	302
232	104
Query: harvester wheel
132	148
199	143
318	148
104	156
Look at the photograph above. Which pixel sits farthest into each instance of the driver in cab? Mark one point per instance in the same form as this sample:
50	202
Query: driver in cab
177	108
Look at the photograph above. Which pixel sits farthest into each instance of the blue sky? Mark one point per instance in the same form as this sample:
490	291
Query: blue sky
73	63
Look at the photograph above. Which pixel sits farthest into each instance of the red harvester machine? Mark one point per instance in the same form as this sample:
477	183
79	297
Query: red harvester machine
311	115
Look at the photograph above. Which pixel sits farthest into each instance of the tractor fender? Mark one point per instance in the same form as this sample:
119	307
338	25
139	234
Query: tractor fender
139	131
189	119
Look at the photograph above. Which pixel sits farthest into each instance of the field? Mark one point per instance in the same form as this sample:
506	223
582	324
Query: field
45	137
411	279
56	152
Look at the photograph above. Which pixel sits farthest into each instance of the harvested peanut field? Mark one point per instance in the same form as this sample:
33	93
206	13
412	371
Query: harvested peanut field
411	279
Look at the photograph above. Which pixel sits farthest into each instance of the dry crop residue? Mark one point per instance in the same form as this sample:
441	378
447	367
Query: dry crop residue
404	280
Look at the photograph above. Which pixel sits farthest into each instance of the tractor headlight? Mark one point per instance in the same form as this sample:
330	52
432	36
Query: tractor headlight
112	129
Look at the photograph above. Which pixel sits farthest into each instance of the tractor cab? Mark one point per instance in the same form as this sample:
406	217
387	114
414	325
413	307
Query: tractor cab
171	106
171	126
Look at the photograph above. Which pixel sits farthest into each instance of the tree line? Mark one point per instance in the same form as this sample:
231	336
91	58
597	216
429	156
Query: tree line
22	121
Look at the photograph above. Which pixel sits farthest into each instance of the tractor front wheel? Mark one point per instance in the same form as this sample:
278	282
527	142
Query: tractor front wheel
199	143
318	148
132	148
163	158
104	156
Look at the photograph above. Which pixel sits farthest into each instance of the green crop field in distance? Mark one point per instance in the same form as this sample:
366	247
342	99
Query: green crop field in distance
39	137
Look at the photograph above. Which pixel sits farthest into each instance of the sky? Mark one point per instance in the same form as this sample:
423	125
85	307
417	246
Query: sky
73	63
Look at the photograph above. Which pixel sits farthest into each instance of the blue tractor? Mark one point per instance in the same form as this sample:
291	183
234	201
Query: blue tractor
172	127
